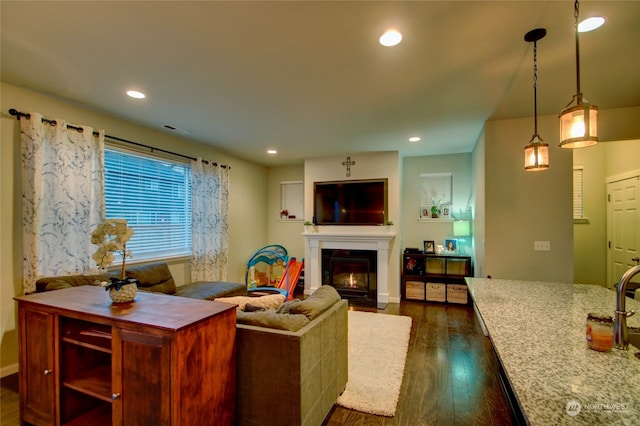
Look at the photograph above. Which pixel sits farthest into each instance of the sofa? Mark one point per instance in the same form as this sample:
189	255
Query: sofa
153	277
291	363
291	357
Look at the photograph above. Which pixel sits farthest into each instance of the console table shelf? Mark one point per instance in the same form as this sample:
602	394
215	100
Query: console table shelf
436	278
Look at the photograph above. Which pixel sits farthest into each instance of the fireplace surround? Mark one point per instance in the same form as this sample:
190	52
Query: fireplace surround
379	242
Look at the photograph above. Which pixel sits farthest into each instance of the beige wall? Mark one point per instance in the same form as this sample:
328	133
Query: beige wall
369	165
523	207
285	233
248	184
590	238
414	230
479	213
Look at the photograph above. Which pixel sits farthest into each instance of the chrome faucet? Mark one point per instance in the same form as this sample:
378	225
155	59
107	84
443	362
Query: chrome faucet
620	330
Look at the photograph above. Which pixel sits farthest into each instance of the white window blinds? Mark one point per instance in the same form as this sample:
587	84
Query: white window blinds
154	195
578	198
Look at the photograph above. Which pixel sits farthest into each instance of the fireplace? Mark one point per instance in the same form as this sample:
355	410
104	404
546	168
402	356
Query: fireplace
353	273
378	242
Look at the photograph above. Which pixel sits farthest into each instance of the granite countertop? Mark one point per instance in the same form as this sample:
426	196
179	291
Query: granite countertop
538	331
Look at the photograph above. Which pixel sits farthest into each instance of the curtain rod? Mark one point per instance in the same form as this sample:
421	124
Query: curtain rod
26	115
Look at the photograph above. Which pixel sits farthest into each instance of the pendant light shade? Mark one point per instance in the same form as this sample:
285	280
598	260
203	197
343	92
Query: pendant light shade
579	126
536	156
536	153
579	121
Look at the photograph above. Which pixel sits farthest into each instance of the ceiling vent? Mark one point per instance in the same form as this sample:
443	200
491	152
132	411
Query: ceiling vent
176	129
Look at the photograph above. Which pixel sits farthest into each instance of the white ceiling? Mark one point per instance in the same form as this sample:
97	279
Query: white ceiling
310	79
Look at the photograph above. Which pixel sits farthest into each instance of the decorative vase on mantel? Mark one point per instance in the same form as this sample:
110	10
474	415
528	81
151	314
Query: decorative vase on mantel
122	291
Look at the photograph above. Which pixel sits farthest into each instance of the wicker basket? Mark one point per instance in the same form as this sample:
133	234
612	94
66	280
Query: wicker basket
126	293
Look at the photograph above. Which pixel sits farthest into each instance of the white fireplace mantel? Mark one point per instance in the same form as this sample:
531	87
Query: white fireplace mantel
379	242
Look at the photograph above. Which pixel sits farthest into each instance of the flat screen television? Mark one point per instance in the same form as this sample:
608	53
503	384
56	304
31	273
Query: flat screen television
350	202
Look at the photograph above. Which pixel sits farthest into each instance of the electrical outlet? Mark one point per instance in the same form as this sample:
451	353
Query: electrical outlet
542	245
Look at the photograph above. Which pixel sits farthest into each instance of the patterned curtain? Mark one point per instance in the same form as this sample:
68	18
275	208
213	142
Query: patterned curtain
210	221
62	197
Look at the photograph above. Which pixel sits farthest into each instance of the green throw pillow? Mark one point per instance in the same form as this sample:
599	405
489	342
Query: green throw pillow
321	300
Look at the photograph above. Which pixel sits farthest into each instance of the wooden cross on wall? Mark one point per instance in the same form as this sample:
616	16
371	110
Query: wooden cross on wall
348	163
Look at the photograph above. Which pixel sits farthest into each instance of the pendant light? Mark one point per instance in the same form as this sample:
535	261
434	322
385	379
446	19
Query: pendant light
578	123
536	154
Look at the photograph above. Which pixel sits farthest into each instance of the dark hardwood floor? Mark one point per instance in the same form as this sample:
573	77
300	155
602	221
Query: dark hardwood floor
9	402
450	378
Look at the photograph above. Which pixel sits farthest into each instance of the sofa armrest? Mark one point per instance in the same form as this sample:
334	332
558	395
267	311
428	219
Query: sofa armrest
296	376
67	281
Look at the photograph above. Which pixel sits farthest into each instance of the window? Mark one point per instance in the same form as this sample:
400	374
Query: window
578	194
154	195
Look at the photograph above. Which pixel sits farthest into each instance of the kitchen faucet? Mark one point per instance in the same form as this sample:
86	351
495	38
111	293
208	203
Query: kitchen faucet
620	330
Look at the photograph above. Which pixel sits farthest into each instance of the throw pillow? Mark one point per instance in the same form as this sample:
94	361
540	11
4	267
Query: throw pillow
286	306
269	301
321	300
270	319
253	308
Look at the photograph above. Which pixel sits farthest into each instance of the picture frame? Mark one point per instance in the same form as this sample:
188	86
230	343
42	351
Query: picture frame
425	213
429	246
450	246
446	212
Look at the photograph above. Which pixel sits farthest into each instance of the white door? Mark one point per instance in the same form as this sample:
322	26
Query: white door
623	224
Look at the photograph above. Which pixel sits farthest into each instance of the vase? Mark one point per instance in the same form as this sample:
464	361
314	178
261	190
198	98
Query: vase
126	293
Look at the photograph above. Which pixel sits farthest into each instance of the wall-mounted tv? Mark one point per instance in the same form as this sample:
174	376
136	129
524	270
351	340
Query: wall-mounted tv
350	202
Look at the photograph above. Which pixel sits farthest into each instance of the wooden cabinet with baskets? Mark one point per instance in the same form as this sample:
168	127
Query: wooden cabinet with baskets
161	360
437	278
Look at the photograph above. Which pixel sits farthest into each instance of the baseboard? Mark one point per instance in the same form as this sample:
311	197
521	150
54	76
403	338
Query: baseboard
8	370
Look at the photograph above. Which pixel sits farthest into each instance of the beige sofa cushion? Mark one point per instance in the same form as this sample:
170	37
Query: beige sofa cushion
269	301
270	319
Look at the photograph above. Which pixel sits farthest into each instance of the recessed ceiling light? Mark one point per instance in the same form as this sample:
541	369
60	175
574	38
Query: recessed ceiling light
390	38
135	94
414	139
272	151
590	24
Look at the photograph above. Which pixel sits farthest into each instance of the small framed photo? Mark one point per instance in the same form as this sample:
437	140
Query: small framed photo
429	246
446	212
425	213
450	246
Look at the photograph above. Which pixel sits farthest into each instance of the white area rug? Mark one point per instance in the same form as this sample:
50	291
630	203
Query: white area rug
377	352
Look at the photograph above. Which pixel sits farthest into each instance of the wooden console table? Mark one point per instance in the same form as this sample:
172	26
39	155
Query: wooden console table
160	360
